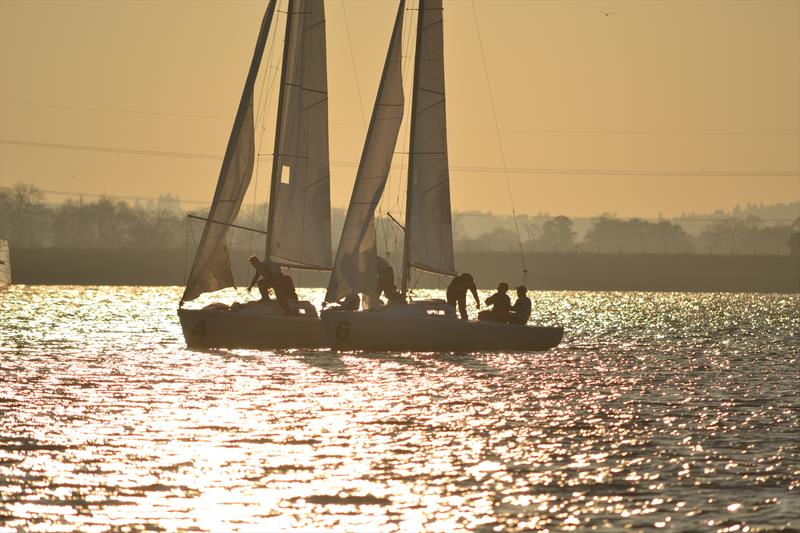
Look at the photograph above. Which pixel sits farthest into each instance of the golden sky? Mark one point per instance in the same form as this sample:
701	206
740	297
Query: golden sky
651	88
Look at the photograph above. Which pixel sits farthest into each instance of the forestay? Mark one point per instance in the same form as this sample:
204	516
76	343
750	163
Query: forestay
300	214
429	229
211	269
355	266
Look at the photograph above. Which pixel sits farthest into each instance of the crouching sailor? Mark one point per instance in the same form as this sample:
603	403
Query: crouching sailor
457	293
269	276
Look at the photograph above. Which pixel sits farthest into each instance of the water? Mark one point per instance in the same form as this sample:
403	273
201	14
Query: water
675	411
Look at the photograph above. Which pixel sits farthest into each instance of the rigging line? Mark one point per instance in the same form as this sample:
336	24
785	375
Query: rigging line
268	55
279	133
396	178
265	98
500	143
237	226
353	62
263	105
401	175
405	154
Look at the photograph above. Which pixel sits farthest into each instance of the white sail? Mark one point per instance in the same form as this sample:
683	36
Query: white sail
300	212
5	264
211	269
429	228
355	266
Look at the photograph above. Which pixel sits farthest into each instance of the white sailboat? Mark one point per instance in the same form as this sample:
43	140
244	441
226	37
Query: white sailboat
5	264
430	325
298	227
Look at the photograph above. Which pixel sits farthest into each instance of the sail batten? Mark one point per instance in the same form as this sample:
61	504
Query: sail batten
355	267
211	269
299	224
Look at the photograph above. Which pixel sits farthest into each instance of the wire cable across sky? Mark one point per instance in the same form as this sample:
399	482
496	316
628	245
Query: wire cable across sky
692	172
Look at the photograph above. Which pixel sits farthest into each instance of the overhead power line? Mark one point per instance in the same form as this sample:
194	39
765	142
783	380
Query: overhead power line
692	172
548	131
105	149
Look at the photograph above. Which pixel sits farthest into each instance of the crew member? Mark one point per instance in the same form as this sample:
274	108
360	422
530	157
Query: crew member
521	310
457	293
386	284
267	276
501	304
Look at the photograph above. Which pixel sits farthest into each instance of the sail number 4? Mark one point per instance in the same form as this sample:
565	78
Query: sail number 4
343	330
200	328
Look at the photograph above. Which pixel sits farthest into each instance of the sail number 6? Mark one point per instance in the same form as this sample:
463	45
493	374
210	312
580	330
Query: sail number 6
343	330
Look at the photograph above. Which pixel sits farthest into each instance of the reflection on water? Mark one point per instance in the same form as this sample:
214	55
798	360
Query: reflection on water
658	410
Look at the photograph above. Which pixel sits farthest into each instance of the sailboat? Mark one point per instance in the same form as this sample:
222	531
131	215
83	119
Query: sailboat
298	234
5	264
429	325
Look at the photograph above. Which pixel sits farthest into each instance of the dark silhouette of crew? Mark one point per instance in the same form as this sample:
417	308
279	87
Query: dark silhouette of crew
286	295
386	284
501	304
521	310
269	276
351	302
457	293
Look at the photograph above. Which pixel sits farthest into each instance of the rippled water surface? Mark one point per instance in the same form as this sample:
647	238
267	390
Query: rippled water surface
673	411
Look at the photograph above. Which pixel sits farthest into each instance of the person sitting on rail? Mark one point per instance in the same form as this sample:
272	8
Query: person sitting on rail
457	293
501	304
521	310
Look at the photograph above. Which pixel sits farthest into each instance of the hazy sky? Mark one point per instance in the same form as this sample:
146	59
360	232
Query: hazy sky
703	87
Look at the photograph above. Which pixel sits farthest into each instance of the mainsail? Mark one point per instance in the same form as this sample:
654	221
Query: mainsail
211	269
299	226
5	265
429	229
355	265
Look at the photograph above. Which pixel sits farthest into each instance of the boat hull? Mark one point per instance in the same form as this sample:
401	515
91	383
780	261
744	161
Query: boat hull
421	332
230	328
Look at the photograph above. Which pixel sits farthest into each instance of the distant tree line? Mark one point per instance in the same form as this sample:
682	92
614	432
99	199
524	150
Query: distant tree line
27	221
609	234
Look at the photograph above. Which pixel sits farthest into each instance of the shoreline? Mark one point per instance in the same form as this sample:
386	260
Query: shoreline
546	270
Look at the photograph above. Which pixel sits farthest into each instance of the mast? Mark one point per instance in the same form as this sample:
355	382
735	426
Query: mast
279	119
300	213
410	182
